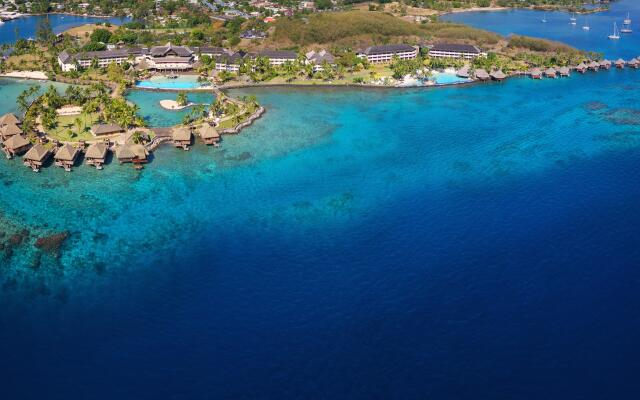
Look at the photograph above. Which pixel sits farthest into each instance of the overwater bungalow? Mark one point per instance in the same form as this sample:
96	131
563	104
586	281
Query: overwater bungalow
106	129
582	68
594	66
9	118
498	75
9	129
620	63
551	73
181	137
463	72
16	144
209	135
634	63
66	156
36	157
132	153
482	75
605	64
564	71
536	73
96	154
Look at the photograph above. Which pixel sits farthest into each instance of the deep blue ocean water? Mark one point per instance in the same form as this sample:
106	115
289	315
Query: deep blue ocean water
26	27
451	243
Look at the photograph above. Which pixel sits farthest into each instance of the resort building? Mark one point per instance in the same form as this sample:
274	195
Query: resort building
15	145
106	129
66	156
253	34
96	154
36	157
209	134
278	57
170	58
319	58
70	62
229	62
446	50
212	52
386	53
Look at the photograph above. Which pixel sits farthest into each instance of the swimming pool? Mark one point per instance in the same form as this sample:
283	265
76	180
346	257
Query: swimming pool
182	82
447	78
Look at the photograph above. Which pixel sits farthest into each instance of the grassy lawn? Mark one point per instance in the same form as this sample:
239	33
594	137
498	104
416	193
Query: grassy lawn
229	122
66	130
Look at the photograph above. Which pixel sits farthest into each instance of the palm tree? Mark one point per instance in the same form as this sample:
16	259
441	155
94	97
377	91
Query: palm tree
79	126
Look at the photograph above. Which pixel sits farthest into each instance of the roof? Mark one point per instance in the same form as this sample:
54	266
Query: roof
130	151
169	49
97	150
564	70
90	55
457	48
10	130
212	50
230	58
207	131
106	129
320	57
482	74
15	142
605	62
9	118
65	57
535	71
619	61
498	74
581	66
278	54
36	153
388	48
463	72
550	71
181	133
66	153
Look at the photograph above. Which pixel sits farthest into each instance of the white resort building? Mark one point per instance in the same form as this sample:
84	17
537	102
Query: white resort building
465	51
170	58
278	57
318	59
386	53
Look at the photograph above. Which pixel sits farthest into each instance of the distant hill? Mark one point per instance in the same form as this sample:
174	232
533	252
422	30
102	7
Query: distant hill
360	28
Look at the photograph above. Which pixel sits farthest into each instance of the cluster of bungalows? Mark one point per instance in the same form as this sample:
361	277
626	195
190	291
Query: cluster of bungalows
181	137
583	67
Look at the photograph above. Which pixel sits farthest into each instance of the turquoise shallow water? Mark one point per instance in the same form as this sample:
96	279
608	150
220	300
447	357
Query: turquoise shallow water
395	243
154	115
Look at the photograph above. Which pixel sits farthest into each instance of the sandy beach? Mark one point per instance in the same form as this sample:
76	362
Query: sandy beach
40	75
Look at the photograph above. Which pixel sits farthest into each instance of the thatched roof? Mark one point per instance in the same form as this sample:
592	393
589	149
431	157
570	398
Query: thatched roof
620	61
66	153
498	74
463	72
181	133
550	71
605	63
140	151
633	61
535	72
564	70
15	142
207	131
594	64
97	150
582	65
130	151
482	74
106	129
9	118
36	153
10	129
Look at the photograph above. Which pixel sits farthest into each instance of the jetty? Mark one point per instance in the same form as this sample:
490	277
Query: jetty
36	157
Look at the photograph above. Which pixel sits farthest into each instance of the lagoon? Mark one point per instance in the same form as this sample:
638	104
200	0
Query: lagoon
155	115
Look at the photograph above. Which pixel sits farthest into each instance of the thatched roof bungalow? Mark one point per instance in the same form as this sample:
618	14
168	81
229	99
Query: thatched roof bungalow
9	118
605	64
564	71
9	129
482	75
551	73
620	63
66	156
536	73
181	137
582	68
36	157
106	129
15	145
634	63
594	66
209	134
498	75
96	154
463	72
131	153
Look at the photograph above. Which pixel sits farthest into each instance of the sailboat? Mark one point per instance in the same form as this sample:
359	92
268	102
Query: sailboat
615	35
626	28
586	26
627	20
544	19
573	19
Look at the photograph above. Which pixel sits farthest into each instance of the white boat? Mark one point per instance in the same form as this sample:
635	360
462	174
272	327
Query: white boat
615	35
627	20
626	29
586	26
573	18
544	19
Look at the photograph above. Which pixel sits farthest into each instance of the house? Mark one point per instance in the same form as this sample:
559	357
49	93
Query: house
319	58
278	57
446	50
66	156
170	57
106	129
36	157
212	52
253	34
181	137
96	154
70	62
209	134
230	62
386	53
132	153
15	145
9	118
